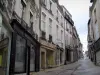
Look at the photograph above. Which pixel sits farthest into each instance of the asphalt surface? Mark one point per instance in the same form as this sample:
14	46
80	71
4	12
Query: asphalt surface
82	67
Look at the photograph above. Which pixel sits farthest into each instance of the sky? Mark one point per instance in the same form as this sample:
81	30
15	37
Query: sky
79	10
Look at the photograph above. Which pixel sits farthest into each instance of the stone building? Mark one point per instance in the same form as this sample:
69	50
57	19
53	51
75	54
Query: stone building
35	35
19	46
52	34
94	32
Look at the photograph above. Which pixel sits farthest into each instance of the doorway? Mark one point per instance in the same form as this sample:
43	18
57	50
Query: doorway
42	60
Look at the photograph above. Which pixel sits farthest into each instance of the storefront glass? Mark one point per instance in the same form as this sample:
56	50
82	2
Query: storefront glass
4	41
20	55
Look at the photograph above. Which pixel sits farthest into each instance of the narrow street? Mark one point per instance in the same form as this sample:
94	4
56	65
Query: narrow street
82	67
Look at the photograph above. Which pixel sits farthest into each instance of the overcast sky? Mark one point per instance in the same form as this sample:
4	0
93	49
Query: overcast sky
80	14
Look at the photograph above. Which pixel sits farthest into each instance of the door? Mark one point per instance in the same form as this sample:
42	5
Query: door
42	60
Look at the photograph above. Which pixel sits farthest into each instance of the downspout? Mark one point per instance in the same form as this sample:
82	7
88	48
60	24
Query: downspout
65	43
39	29
40	15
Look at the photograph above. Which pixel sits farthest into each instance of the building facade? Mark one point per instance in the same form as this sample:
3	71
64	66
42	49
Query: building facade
52	32
94	32
20	49
35	35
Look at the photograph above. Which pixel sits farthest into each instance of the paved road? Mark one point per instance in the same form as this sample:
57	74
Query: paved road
82	67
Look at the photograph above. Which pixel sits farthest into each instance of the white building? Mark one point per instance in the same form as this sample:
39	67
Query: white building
52	23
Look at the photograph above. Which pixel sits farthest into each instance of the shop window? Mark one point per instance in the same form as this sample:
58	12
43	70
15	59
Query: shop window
32	59
20	54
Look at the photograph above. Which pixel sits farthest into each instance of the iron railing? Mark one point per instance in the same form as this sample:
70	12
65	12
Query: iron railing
24	24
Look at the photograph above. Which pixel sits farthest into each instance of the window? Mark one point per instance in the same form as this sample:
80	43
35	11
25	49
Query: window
43	22
61	36
61	21
57	31
95	15
31	20
23	8
66	26
57	16
57	13
32	58
44	2
50	26
20	54
50	5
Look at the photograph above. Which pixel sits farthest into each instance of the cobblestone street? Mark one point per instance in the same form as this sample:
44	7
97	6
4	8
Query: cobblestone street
82	67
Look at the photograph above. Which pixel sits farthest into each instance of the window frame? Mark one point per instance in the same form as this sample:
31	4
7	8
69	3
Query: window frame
43	21
23	8
50	26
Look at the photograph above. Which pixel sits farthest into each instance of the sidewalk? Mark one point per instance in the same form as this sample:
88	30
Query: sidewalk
56	70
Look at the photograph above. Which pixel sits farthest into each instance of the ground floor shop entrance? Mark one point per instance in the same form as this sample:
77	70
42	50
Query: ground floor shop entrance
47	58
43	55
3	60
50	59
25	51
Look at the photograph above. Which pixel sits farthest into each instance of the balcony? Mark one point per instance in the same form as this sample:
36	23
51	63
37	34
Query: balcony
20	20
69	19
23	24
69	47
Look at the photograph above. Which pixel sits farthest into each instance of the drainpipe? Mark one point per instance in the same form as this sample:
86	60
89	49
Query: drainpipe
39	27
65	42
40	15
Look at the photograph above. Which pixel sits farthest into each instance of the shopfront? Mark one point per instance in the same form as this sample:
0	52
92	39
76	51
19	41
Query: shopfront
5	45
47	55
24	52
59	56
